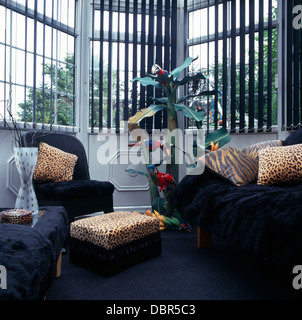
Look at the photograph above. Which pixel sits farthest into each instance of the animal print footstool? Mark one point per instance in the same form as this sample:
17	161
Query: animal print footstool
112	242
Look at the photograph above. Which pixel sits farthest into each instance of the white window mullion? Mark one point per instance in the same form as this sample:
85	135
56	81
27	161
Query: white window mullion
10	99
82	75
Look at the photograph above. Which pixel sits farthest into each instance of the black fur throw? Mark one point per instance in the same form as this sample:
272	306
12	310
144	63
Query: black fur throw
30	254
266	220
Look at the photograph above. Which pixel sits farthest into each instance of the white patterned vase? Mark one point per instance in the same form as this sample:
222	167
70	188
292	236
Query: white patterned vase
26	159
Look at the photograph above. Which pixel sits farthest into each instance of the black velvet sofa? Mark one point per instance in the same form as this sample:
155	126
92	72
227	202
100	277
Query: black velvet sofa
79	196
30	254
265	220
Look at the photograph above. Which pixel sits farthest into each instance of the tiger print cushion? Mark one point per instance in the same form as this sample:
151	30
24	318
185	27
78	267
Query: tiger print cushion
232	164
254	149
53	164
280	164
114	229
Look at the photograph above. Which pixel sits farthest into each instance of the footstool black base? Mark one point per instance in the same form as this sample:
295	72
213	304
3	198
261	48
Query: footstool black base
109	262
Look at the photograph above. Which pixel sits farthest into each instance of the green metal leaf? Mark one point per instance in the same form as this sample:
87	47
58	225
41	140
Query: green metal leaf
176	72
162	78
221	135
203	93
207	93
189	112
198	76
147	112
142	173
160	100
147	81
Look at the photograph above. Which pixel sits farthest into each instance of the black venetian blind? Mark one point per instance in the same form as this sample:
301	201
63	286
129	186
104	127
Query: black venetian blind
131	36
291	34
239	38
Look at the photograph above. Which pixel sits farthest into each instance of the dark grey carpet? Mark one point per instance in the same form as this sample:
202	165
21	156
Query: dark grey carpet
182	272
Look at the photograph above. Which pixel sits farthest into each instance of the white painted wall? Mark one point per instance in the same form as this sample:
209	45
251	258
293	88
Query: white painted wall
108	160
240	141
9	178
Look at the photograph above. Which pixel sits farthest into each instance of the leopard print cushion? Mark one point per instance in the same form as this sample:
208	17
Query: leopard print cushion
114	229
280	164
254	149
54	165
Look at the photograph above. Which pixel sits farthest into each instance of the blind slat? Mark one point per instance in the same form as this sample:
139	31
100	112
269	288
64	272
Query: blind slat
242	67
289	89
149	121
109	100
300	84
225	64
101	67
269	69
143	62
283	68
52	59
174	35
25	62
167	50
117	118
126	104
251	66
233	66
260	69
296	75
134	61
159	35
92	68
35	66
216	66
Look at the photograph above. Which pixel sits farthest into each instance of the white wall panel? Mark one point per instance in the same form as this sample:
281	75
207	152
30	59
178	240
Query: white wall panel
9	178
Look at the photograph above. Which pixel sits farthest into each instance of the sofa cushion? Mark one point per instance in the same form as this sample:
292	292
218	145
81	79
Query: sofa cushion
233	165
254	149
73	189
280	164
54	165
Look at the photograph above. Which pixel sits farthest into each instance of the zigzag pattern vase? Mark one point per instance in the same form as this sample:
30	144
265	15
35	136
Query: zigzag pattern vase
26	159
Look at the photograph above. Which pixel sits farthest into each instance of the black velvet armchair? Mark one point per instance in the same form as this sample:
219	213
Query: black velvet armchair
79	196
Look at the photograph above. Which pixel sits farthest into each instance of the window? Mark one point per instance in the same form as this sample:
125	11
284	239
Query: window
37	67
291	65
127	38
237	46
236	41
